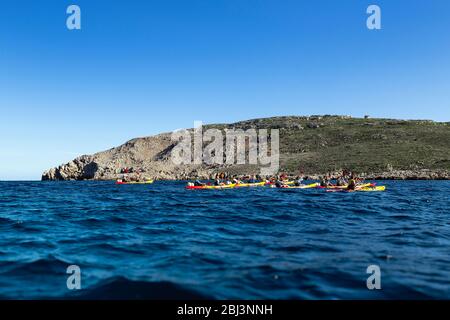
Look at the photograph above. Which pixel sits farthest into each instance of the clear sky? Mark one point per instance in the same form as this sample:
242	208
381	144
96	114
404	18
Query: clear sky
137	68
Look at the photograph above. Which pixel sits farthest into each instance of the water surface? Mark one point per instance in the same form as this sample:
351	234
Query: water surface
162	241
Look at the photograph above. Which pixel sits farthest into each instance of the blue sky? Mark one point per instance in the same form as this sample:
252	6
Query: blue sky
138	68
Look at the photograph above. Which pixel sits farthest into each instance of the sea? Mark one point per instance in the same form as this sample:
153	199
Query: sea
99	240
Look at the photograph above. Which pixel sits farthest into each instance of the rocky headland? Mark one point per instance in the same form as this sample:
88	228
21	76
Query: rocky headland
315	145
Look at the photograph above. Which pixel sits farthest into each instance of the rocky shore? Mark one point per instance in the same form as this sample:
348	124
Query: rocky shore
424	174
315	145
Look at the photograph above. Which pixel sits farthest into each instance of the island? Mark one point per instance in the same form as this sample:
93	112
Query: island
313	145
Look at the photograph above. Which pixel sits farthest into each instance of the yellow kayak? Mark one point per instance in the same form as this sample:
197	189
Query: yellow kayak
256	184
225	186
345	187
307	186
135	182
358	189
286	183
371	189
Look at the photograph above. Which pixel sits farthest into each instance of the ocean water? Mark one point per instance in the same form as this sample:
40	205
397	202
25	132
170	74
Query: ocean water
162	241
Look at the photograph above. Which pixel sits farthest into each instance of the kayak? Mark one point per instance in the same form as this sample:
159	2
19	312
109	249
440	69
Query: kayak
136	182
225	186
363	189
371	189
256	184
306	186
284	182
345	187
228	186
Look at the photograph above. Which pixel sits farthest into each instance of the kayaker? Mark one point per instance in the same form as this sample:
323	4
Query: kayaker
217	182
280	183
235	180
197	183
298	181
351	183
324	182
341	181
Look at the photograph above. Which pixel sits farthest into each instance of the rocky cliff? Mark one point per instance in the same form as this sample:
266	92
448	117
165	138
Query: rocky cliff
375	148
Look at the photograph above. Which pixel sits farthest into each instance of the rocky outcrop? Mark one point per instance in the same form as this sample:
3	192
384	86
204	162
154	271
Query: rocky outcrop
82	168
147	157
314	145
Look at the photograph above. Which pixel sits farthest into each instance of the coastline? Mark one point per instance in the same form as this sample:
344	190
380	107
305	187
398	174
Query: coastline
425	175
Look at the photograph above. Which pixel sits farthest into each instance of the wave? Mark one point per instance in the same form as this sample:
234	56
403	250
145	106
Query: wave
120	288
49	265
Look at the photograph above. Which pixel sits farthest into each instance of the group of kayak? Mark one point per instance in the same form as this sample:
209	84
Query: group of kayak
347	182
343	183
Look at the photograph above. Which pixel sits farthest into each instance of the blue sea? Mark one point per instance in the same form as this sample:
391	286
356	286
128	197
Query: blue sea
161	241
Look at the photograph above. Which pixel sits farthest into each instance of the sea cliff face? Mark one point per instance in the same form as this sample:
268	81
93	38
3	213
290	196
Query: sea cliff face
314	145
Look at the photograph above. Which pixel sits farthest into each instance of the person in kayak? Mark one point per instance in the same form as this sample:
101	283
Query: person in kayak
298	181
324	182
279	183
351	182
198	183
217	181
283	177
236	180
